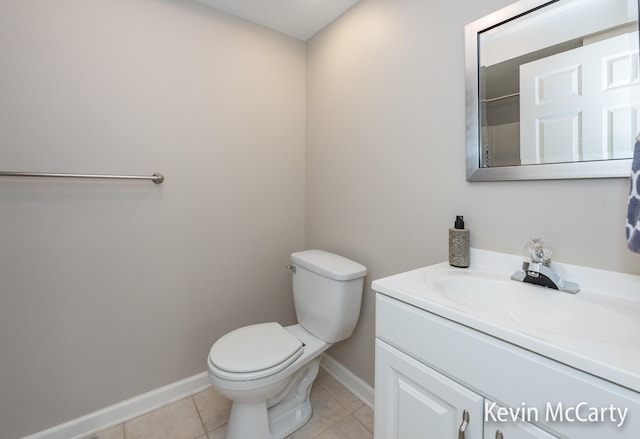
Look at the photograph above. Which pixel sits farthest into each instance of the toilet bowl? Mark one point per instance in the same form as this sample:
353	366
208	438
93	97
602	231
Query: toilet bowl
267	370
259	409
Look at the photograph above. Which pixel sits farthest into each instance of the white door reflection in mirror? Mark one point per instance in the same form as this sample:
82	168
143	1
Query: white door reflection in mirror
581	104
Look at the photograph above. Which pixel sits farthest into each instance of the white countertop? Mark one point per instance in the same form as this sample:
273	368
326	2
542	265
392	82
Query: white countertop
602	336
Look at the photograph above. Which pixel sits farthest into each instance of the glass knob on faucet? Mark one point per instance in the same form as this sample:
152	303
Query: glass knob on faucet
538	251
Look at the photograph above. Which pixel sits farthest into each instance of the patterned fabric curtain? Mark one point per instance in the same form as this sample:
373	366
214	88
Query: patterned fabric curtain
633	215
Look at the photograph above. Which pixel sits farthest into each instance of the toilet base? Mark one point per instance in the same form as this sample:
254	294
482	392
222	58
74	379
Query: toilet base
256	421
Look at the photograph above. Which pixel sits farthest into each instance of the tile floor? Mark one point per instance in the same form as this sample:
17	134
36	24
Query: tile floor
337	414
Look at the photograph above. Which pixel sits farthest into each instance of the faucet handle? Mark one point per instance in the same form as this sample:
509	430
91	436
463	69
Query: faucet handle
538	251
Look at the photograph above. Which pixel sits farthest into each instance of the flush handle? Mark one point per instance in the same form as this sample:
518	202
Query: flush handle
292	268
463	426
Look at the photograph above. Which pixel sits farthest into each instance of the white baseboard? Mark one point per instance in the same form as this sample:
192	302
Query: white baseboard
125	410
138	405
360	388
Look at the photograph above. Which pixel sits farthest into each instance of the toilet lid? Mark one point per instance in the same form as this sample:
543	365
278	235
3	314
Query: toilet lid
254	348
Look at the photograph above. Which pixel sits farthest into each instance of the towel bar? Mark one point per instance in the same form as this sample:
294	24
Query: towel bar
157	178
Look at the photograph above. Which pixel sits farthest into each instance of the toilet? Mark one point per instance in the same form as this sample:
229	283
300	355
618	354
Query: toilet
267	370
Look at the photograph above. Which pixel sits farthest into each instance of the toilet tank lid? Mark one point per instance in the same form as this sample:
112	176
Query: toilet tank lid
329	265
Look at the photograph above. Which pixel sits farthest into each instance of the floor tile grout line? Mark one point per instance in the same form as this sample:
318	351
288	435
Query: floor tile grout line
204	428
340	422
329	427
332	396
326	429
362	423
351	413
338	402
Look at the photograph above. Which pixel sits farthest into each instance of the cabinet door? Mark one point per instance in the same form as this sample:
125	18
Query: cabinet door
414	401
511	429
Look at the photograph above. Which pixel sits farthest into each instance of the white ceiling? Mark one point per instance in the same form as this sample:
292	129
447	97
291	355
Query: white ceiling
300	19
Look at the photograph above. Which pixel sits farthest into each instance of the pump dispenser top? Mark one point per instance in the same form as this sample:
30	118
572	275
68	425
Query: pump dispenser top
459	248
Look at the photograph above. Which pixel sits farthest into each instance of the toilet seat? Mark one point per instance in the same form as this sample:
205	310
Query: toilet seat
254	352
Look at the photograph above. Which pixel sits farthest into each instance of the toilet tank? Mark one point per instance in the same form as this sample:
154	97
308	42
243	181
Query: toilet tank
327	293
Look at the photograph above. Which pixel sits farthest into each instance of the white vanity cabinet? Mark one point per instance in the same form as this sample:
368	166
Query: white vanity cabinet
414	401
431	370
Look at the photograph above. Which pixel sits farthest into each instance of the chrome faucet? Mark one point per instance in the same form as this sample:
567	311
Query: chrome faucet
538	271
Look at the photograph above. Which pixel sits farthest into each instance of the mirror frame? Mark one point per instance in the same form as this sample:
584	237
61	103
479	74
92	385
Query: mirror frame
588	169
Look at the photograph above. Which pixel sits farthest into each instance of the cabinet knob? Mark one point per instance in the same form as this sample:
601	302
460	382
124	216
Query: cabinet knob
463	426
499	435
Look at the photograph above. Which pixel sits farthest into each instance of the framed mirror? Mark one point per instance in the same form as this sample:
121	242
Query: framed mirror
553	90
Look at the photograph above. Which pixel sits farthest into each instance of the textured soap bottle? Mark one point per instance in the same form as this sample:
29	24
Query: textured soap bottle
459	244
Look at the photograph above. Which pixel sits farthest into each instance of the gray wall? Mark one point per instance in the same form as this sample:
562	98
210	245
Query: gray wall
386	158
111	289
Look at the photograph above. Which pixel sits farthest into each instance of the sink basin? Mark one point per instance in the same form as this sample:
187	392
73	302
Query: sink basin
536	309
596	330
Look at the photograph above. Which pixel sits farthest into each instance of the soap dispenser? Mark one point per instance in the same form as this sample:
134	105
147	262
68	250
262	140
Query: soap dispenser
459	244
